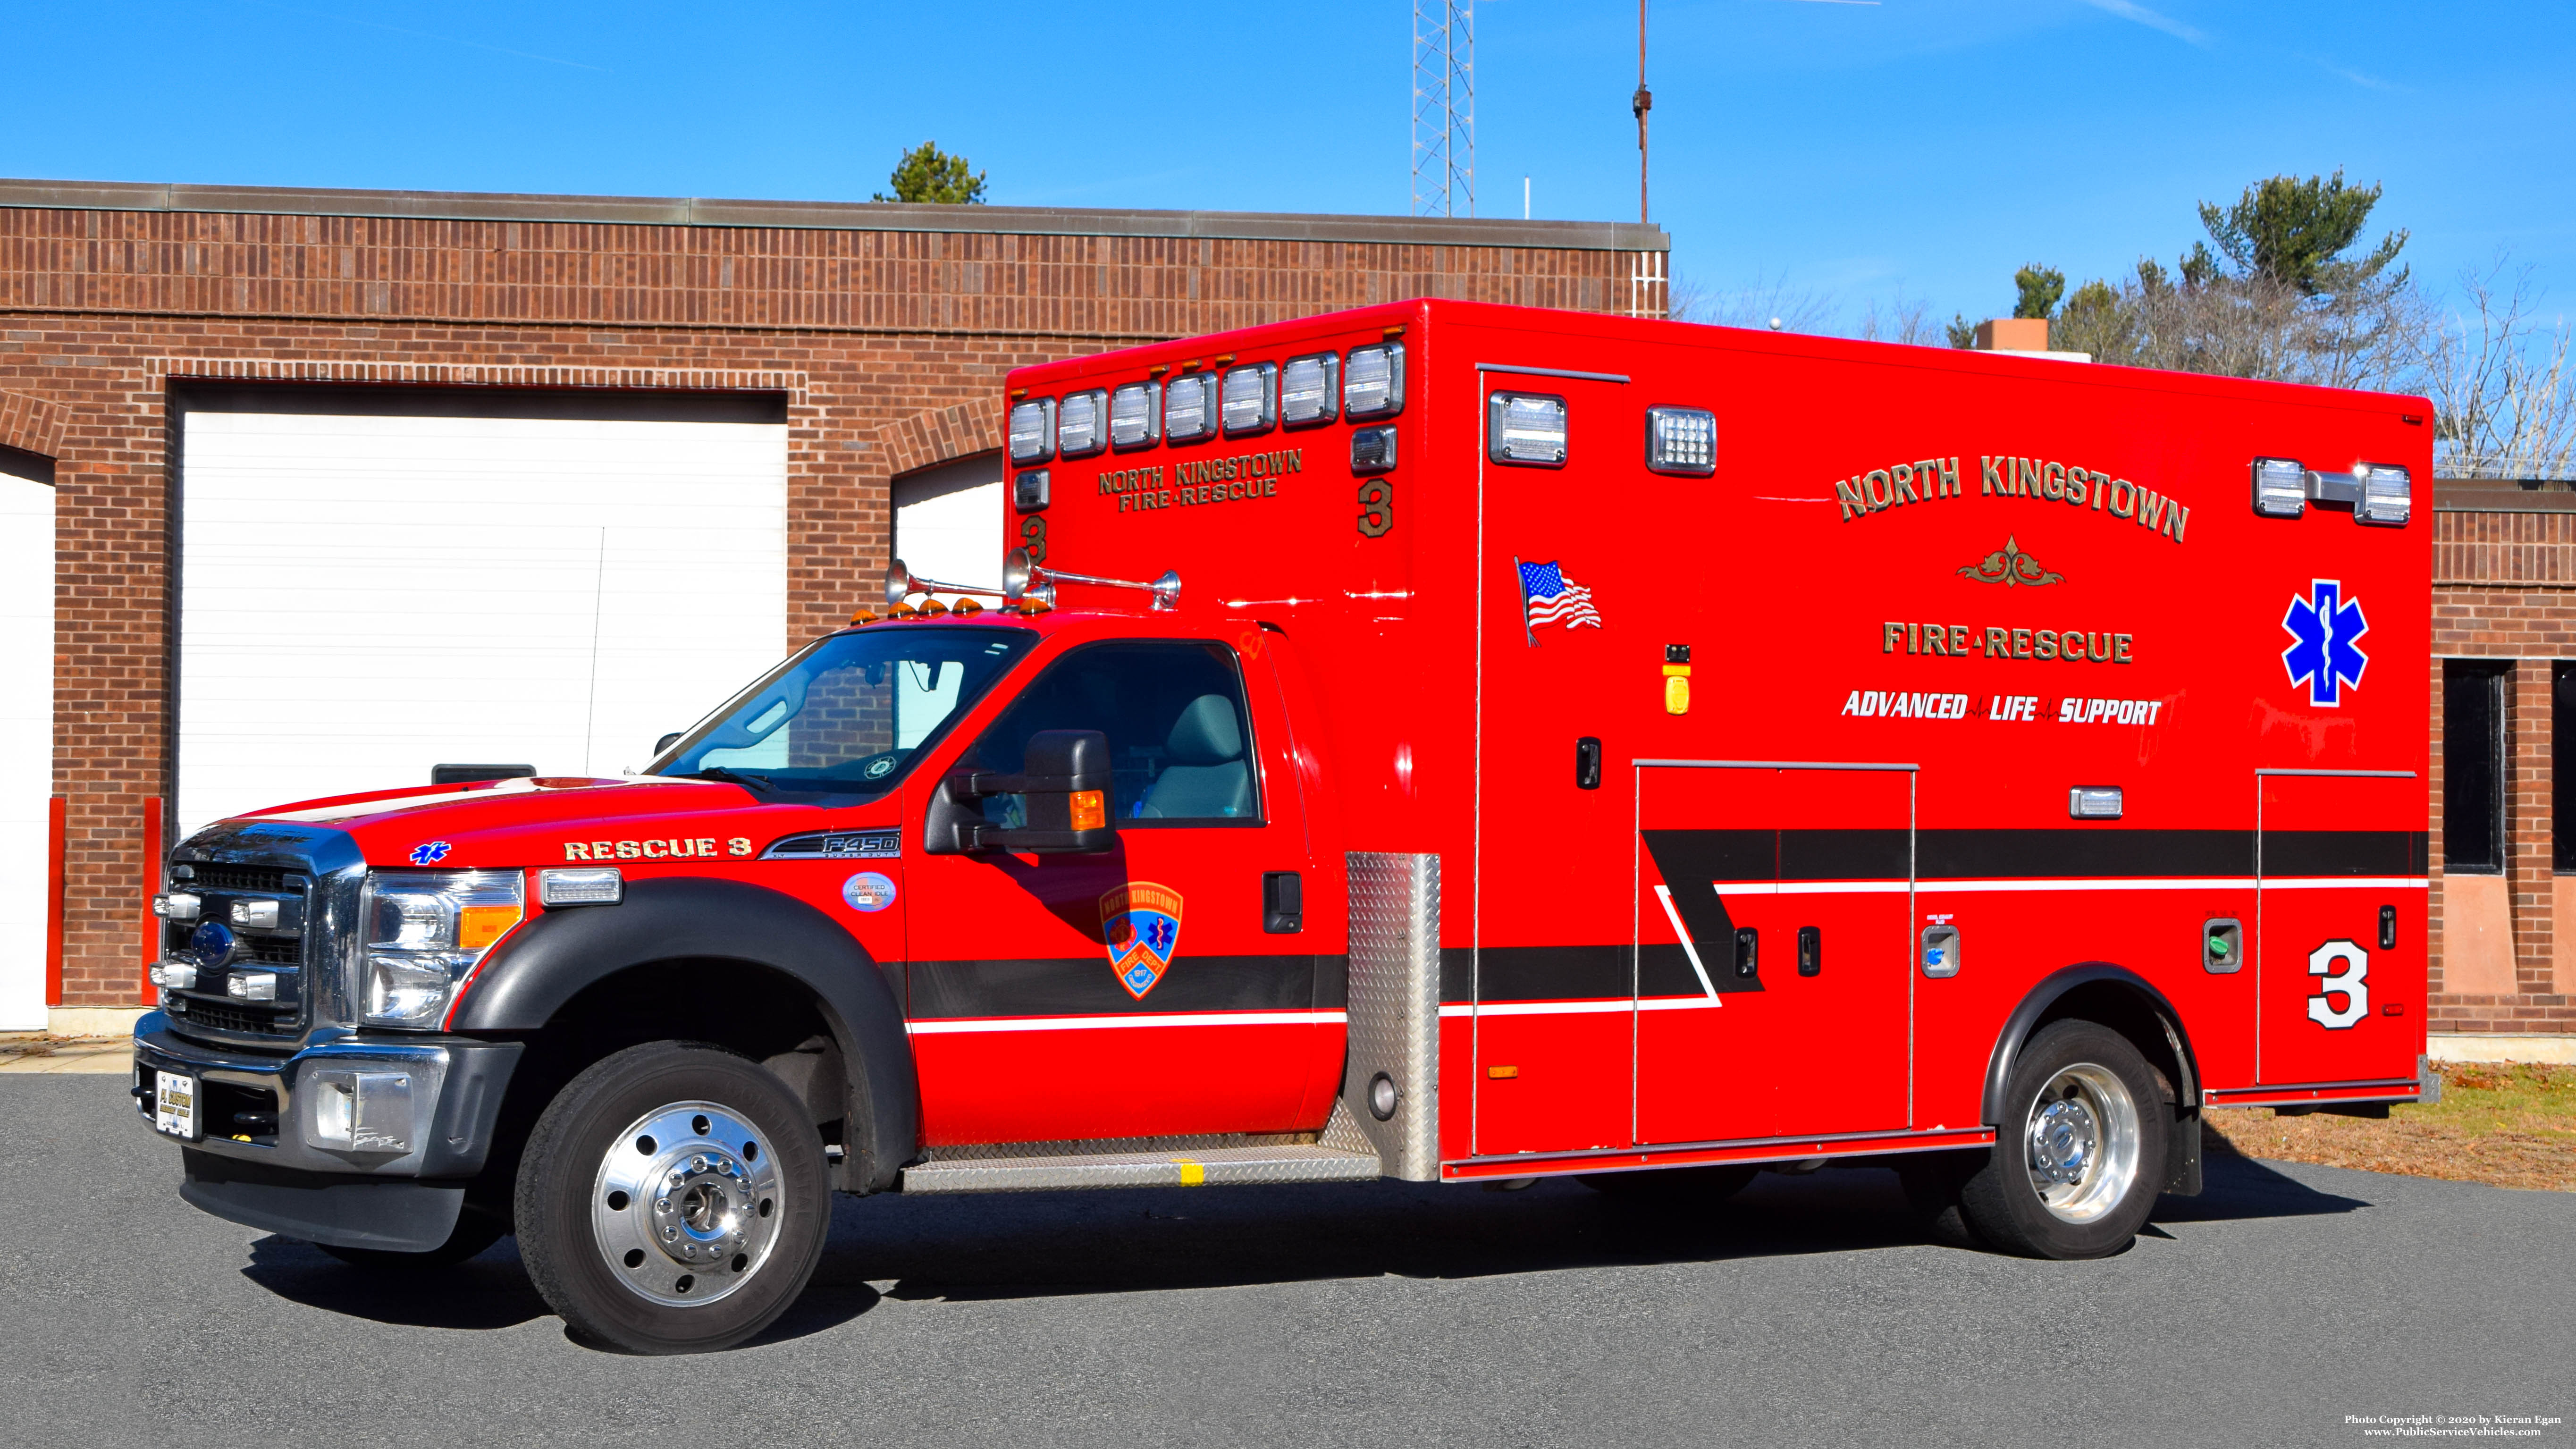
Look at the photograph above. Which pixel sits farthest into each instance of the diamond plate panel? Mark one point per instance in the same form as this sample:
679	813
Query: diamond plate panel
1395	1006
1218	1167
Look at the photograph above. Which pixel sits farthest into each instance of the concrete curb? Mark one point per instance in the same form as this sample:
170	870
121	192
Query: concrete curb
2553	1050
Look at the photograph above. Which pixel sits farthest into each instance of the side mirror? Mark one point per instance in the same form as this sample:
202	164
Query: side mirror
662	746
1066	784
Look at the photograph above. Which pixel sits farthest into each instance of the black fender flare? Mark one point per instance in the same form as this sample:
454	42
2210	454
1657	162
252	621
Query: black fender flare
2018	1027
544	964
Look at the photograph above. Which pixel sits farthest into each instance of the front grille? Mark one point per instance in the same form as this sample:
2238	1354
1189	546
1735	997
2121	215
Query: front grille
251	950
244	1020
245	878
271	950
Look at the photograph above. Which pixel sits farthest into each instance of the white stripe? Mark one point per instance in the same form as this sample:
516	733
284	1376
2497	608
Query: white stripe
2116	883
1666	896
1099	1023
1601	1007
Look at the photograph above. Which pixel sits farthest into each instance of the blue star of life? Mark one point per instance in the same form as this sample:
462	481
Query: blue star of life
431	853
2326	655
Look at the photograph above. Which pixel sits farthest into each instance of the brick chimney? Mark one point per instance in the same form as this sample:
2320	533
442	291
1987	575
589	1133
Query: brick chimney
2013	334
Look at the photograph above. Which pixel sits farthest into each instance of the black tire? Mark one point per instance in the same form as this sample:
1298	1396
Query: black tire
2079	1157
1673	1185
738	1185
473	1233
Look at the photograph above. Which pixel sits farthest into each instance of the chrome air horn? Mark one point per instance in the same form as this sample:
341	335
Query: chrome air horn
902	582
1021	577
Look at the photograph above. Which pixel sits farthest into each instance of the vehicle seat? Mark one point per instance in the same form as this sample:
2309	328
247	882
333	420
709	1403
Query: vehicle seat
1206	777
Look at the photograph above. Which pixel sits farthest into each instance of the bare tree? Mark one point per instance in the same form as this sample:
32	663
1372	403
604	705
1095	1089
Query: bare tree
1902	319
2504	398
1771	305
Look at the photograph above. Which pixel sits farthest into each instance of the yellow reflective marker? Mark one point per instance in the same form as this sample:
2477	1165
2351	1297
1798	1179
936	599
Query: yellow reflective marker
1192	1174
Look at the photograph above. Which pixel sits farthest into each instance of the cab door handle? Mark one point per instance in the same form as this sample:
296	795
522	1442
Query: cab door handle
1811	951
1283	903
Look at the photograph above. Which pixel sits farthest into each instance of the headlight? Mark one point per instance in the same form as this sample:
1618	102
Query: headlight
425	930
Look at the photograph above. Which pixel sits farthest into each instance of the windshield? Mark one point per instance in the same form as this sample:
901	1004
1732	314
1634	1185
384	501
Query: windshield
849	715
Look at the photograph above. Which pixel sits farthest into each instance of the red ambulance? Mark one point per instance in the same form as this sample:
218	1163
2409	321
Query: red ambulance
1440	741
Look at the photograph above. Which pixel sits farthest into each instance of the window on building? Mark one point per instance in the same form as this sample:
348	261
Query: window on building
2562	765
2473	766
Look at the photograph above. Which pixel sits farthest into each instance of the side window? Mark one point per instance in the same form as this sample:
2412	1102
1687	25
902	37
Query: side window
1180	742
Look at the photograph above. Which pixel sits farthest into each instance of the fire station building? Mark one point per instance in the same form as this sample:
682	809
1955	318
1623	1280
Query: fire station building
314	491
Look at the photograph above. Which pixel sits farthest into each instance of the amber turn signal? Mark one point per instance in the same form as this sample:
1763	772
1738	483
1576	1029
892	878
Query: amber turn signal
1502	1074
1090	810
480	926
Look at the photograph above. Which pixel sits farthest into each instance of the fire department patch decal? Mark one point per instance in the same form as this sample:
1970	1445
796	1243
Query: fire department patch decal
1141	922
2325	655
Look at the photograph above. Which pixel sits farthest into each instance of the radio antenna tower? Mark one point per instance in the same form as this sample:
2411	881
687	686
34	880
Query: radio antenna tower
1444	107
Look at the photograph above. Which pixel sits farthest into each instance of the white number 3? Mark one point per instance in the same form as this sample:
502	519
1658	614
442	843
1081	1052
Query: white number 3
2347	983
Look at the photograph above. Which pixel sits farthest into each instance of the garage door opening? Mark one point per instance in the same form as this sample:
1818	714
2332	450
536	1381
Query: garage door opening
948	522
26	729
377	580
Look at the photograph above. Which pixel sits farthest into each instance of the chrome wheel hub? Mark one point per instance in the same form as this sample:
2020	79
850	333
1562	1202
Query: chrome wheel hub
2081	1144
686	1204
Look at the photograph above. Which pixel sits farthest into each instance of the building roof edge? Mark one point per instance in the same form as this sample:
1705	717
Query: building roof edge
831	215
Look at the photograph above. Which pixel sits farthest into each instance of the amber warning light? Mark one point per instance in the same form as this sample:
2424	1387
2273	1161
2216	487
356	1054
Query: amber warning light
1090	810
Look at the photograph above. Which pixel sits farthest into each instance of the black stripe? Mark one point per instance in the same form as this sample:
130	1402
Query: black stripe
1748	855
1083	986
1689	860
1567	973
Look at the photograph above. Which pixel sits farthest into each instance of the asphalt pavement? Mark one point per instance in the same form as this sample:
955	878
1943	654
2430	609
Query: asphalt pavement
2265	1311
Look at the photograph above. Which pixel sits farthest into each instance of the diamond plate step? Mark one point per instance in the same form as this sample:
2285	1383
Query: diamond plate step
1207	1166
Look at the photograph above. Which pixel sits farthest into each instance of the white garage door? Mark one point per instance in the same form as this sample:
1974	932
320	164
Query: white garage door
948	522
366	595
26	732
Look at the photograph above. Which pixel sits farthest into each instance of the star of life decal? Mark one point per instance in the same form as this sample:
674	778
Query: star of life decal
2325	654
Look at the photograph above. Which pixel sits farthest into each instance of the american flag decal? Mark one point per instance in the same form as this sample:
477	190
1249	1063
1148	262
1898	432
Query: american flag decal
1549	597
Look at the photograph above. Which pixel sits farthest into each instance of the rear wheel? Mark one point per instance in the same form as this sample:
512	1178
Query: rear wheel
2079	1158
672	1200
1673	1184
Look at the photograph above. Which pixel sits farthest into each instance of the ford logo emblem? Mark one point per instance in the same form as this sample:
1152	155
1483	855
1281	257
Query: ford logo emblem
212	943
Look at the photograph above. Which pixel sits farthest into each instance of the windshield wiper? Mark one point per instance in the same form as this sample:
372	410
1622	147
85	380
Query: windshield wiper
730	777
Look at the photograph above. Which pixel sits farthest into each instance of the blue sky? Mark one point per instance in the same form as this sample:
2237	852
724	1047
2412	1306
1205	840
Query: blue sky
1851	152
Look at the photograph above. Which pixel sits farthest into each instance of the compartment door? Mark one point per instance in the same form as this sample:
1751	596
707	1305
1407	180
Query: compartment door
2339	929
1772	949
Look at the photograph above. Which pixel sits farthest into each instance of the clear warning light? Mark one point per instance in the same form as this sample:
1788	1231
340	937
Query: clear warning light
1681	440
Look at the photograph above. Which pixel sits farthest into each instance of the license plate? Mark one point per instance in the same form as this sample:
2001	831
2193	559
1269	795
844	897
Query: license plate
174	1104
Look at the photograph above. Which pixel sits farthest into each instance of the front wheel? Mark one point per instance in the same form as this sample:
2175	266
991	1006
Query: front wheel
2079	1158
672	1199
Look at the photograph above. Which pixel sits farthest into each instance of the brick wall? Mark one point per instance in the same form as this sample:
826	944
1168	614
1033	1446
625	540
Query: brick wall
2505	589
889	329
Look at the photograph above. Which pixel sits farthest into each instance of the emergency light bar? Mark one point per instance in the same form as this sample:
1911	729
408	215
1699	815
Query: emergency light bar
1310	390
1189	411
1249	398
1022	577
1082	424
2380	493
1136	416
1033	431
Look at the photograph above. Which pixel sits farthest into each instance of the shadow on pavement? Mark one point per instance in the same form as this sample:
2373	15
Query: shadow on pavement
1041	1244
2239	1187
487	1291
1025	1245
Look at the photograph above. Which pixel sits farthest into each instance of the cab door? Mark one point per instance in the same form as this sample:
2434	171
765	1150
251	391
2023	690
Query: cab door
1773	960
1152	990
2339	926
